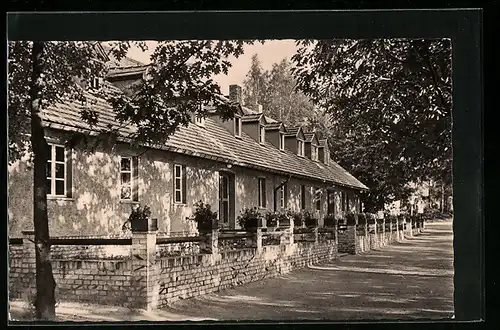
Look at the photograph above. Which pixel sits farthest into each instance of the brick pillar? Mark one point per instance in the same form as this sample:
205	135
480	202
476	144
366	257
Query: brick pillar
316	235
28	288
145	272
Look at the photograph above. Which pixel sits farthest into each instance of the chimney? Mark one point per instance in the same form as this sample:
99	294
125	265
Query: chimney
235	94
259	108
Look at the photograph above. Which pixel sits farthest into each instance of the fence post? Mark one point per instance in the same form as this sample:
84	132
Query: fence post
29	265
316	235
214	241
145	285
258	238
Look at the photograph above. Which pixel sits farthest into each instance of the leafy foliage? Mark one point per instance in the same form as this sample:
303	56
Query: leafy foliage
275	90
389	104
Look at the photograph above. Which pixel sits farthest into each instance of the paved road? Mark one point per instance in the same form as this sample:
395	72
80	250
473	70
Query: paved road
408	280
412	279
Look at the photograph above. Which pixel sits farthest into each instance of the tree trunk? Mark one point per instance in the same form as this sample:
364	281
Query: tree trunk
45	284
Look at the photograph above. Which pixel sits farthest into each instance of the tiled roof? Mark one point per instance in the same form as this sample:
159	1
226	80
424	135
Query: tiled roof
126	71
252	117
273	125
292	130
322	143
213	142
309	136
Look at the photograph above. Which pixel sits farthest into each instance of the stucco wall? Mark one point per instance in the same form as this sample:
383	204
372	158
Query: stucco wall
96	209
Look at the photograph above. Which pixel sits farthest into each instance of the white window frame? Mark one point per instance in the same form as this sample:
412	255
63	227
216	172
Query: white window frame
314	153
131	183
282	141
237	126
262	134
53	162
180	188
300	148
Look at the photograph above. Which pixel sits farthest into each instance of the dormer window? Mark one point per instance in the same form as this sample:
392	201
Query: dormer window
95	83
282	141
200	121
300	148
262	134
237	126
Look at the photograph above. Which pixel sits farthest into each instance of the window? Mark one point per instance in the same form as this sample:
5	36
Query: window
237	126
300	148
282	141
59	171
303	197
314	153
262	134
128	179
343	200
95	83
200	121
179	184
262	192
317	198
283	197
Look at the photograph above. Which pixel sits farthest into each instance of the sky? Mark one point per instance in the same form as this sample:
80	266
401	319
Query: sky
272	51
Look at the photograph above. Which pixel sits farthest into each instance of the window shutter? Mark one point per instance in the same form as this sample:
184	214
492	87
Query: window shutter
264	195
135	178
285	190
69	173
184	184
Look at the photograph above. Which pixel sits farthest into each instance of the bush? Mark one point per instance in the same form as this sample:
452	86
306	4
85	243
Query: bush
205	218
330	221
250	218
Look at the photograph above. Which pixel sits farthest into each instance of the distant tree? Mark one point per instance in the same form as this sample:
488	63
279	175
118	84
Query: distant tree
390	104
255	84
41	74
275	90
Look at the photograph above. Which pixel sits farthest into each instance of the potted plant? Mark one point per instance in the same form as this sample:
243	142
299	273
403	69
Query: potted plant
139	219
350	218
205	218
271	219
309	219
361	218
330	221
250	219
298	219
371	218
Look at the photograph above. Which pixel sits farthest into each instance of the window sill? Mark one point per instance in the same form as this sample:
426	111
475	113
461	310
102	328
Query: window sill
180	204
124	201
60	198
238	137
